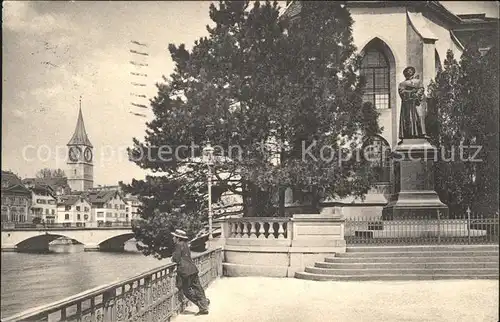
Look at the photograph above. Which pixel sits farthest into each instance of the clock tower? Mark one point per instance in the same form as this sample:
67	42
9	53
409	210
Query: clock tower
80	158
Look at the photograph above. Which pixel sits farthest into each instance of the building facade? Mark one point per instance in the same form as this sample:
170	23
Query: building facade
16	200
43	203
132	207
108	206
391	36
80	158
74	210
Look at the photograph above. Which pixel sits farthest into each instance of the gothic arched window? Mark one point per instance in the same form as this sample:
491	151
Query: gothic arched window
375	69
377	151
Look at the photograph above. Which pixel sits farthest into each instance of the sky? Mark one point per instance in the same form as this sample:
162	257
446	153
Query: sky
56	53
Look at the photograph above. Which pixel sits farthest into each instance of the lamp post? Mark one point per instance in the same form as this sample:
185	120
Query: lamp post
208	154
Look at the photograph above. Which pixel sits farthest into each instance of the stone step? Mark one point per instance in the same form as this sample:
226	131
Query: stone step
391	277
420	248
405	271
406	259
440	265
444	253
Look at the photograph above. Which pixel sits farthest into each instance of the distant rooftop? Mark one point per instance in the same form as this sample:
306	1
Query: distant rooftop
97	196
69	200
10	179
54	182
42	188
460	20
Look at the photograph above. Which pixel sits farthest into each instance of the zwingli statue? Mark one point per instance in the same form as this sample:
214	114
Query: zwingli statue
411	91
414	157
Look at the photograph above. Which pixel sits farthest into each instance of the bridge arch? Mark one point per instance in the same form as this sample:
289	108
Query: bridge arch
39	242
93	239
115	243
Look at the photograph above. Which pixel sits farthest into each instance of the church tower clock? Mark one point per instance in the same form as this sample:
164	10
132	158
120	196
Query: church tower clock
80	158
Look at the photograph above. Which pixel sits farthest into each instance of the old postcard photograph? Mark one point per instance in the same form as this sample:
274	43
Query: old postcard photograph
229	161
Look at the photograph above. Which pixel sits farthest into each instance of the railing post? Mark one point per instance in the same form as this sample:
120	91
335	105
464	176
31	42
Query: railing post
79	311
495	230
252	230
92	309
149	298
439	225
108	306
220	260
468	225
289	230
261	230
281	231
63	314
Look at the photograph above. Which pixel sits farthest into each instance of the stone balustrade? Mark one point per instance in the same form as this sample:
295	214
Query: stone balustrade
279	247
259	227
151	296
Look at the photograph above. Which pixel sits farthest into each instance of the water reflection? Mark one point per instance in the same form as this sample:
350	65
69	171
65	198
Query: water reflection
29	280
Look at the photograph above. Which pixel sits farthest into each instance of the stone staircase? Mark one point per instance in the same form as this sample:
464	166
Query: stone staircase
407	263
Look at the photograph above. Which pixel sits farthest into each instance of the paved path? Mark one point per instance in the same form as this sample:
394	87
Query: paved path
291	300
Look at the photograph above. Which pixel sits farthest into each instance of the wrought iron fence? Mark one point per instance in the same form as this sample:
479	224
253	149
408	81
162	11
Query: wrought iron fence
418	230
151	296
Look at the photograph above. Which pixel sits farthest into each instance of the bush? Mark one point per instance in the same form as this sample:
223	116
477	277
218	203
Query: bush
37	220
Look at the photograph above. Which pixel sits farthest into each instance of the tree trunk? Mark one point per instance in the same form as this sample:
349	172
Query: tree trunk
281	188
315	200
281	202
247	199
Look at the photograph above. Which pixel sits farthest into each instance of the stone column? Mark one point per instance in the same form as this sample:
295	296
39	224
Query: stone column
221	240
26	213
416	195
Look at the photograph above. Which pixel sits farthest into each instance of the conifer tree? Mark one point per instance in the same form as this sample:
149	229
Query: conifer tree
268	90
481	124
465	97
451	176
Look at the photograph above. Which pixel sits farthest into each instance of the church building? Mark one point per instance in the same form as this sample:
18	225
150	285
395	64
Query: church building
80	158
86	204
390	36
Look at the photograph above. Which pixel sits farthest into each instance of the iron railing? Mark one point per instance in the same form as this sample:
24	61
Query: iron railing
151	296
74	225
469	229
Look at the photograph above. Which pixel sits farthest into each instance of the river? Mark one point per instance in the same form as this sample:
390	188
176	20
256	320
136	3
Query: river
30	280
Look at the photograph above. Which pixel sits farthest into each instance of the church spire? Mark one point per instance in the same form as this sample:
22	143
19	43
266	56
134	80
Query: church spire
80	136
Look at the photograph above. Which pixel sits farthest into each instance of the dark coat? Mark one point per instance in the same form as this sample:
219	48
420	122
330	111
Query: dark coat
182	256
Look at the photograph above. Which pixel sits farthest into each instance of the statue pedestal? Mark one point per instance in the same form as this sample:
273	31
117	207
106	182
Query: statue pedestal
415	195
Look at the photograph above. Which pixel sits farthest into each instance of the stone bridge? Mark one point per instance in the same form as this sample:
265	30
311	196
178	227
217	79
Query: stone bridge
92	238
